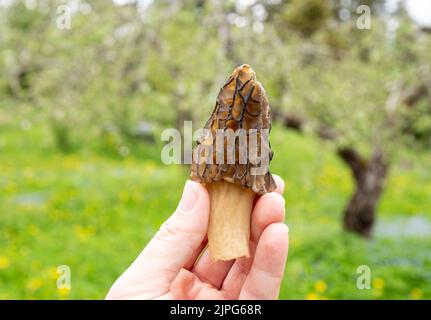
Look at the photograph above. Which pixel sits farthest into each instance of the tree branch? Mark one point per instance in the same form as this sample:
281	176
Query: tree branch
352	158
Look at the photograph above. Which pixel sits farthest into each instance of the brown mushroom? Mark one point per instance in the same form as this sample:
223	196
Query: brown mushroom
234	168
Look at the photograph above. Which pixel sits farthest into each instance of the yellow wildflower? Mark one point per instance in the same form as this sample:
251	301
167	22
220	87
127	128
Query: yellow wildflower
52	273
312	296
63	292
34	284
378	283
320	286
416	294
4	262
84	233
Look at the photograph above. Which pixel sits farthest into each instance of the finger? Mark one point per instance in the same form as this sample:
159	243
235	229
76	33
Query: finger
266	273
211	272
279	183
197	254
267	210
179	238
270	208
279	187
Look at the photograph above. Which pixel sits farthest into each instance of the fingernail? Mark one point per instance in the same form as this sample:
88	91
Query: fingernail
278	198
189	197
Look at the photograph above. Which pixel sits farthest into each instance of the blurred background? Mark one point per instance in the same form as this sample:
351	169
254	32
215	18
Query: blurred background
86	87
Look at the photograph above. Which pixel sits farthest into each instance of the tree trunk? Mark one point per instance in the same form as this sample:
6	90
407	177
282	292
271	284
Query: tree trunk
369	176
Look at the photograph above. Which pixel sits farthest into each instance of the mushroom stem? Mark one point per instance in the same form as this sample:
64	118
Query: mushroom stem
229	220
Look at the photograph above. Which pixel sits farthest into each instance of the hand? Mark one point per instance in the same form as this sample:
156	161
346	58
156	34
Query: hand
176	263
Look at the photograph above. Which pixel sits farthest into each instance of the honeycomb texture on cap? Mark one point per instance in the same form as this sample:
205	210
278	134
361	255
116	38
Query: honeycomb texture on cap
241	104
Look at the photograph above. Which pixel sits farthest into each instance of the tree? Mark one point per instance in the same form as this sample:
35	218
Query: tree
366	98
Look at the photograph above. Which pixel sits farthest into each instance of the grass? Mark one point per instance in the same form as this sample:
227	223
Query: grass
95	211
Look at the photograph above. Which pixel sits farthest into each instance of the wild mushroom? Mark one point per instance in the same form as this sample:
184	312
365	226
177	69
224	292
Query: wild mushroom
234	168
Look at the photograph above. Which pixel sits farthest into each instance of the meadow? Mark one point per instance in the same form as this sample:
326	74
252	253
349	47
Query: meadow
94	210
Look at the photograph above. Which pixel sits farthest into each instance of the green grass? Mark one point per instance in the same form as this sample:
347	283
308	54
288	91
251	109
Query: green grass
95	212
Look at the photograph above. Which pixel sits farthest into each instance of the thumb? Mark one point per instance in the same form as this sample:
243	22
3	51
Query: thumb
179	237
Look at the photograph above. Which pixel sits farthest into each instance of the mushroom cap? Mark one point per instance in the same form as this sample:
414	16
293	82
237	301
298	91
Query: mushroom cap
241	104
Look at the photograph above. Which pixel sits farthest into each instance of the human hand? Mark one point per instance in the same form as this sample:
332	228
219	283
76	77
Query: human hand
176	263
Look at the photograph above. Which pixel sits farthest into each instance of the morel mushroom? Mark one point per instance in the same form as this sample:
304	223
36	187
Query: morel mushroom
231	159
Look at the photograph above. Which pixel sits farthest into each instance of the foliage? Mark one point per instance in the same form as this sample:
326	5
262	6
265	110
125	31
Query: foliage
95	213
158	65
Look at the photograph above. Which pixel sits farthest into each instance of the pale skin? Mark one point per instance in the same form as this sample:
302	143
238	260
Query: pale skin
176	263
